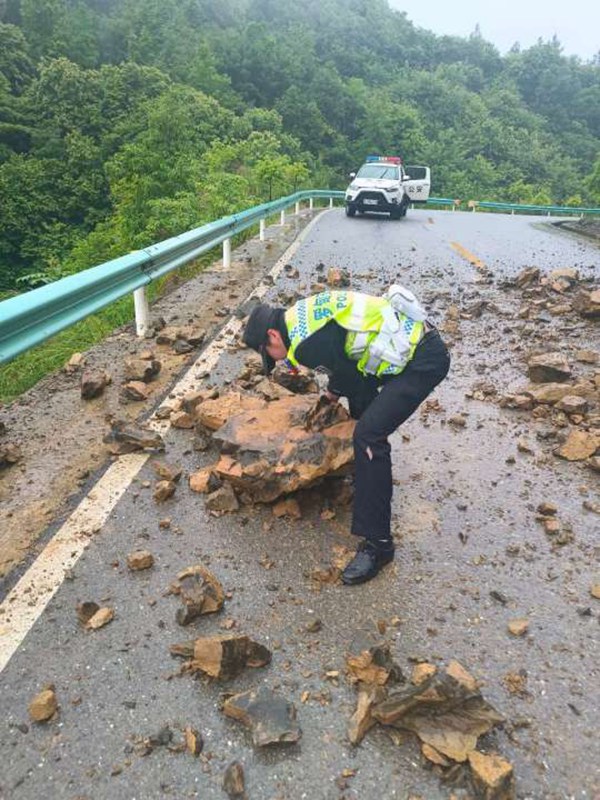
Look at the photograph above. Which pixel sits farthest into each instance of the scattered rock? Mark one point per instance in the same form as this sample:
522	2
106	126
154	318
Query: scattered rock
527	276
101	618
193	741
163	490
167	472
44	705
222	657
588	304
572	404
201	481
457	421
233	780
287	508
222	501
579	445
93	383
445	712
140	559
549	368
518	627
124	438
76	361
492	777
139	369
422	672
369	661
182	420
271	718
136	391
199	591
10	454
595	591
362	720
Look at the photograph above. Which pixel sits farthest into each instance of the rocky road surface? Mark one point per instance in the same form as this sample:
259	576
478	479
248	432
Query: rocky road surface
475	554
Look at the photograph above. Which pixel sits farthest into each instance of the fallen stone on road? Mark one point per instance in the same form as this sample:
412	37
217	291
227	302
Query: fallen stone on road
199	591
136	391
139	369
549	368
233	780
518	627
193	741
222	500
270	717
492	776
44	705
370	662
124	438
588	304
269	449
362	720
579	445
163	491
93	383
10	454
167	472
139	560
92	616
222	657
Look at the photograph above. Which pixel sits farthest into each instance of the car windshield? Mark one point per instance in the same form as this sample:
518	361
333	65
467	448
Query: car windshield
378	171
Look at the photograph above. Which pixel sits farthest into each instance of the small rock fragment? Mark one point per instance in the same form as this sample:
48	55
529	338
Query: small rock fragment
271	718
93	383
139	369
135	390
518	627
223	501
595	591
43	706
163	490
421	672
579	445
233	780
549	368
193	741
101	618
222	657
140	559
200	592
492	776
9	454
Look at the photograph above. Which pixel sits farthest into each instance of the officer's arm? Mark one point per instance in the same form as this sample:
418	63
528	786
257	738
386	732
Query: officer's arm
325	348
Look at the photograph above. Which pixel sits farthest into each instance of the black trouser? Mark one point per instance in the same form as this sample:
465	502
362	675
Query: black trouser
399	397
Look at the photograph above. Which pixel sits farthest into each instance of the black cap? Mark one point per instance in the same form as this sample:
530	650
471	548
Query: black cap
262	318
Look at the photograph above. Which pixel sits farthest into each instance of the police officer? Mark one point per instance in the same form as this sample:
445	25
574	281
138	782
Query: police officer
383	355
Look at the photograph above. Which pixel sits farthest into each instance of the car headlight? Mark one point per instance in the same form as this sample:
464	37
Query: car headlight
353	187
391	189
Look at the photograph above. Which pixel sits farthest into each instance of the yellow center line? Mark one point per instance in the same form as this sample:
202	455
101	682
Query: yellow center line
462	251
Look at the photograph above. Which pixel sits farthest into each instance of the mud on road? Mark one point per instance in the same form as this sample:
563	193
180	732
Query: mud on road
497	556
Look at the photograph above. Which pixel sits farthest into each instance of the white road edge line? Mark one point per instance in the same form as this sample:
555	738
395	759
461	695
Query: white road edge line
26	601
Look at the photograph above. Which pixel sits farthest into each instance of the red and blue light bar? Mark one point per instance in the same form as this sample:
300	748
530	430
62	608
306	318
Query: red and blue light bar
374	158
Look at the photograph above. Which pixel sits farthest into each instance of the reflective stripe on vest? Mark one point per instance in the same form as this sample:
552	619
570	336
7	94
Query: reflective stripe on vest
380	340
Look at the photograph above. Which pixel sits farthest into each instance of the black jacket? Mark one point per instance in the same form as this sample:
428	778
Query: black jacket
325	349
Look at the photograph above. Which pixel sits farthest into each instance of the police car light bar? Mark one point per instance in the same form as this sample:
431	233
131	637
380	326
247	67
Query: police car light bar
388	159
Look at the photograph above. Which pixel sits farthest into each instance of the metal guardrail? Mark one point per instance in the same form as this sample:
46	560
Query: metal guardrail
33	317
562	211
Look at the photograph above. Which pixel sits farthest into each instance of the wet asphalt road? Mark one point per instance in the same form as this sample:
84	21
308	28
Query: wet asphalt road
464	522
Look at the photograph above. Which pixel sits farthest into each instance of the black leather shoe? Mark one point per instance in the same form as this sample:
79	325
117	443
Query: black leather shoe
367	562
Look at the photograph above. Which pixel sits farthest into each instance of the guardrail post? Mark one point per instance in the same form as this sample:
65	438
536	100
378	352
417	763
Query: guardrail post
261	234
227	253
142	311
298	207
331	202
310	204
282	220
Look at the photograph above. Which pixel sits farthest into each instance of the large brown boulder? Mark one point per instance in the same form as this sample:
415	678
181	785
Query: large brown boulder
273	448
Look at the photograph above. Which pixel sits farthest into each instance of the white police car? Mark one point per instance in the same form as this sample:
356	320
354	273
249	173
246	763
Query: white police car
384	184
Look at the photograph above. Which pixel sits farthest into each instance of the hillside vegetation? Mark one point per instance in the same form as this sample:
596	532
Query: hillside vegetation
123	122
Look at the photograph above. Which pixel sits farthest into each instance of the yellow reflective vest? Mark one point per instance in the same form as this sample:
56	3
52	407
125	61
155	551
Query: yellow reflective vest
382	341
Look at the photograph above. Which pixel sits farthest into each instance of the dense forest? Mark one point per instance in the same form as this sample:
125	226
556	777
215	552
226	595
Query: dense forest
123	122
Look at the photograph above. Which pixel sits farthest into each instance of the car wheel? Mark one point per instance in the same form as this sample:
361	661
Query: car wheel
403	209
350	211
